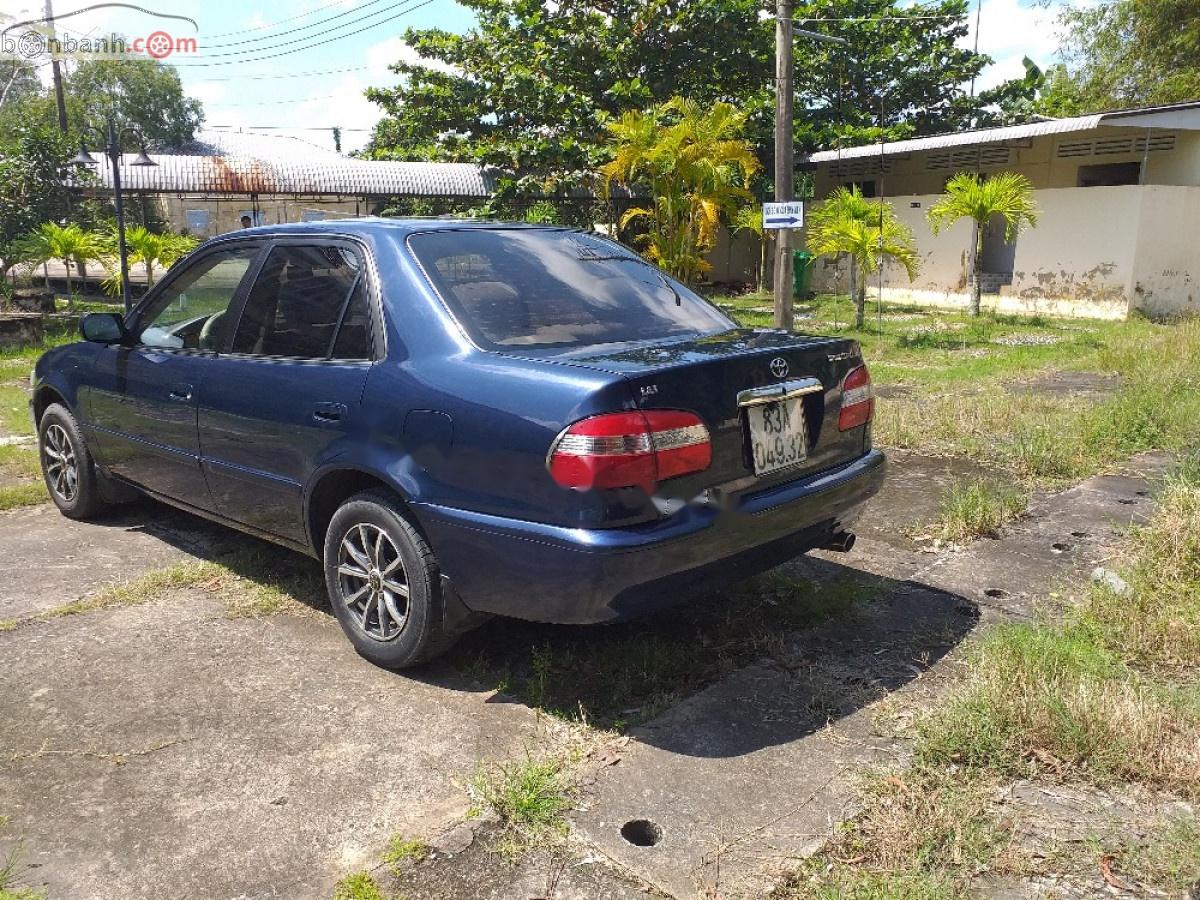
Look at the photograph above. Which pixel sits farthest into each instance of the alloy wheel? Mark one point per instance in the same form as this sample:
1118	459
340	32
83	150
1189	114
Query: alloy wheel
373	582
62	468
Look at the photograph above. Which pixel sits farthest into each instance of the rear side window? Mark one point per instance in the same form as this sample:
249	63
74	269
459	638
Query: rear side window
544	288
299	302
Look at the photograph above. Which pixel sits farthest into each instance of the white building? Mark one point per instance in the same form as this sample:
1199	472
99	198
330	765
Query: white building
1119	224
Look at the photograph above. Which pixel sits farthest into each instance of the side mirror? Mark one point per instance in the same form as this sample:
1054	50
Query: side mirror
103	328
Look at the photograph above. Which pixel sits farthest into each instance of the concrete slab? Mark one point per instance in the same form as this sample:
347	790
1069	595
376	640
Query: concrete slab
60	560
752	773
167	751
755	771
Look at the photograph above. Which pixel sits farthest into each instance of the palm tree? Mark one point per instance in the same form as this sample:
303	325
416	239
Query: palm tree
697	170
868	232
968	196
68	243
147	247
750	218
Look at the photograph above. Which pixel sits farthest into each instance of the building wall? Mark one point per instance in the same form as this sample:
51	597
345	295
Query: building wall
1166	272
224	212
1078	260
1040	162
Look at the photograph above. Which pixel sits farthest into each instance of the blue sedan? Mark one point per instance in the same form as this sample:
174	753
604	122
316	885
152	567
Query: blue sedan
463	419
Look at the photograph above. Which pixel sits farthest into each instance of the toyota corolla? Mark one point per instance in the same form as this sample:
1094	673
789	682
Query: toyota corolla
463	419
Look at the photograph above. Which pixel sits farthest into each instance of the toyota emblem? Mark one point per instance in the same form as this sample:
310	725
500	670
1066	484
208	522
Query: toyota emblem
779	367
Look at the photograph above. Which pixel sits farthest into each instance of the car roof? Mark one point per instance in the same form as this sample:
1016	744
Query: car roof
378	225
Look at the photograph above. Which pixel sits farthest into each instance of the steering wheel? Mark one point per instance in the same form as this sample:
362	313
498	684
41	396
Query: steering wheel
213	331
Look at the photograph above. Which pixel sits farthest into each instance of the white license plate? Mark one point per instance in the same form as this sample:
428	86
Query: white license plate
778	435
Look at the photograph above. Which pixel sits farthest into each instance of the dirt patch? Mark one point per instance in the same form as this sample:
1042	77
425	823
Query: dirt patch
1096	384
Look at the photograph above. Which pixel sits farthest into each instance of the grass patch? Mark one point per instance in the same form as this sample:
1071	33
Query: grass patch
14	409
1170	859
973	508
954	371
530	798
1156	626
621	674
16	496
10	875
358	886
919	835
1108	694
402	851
251	582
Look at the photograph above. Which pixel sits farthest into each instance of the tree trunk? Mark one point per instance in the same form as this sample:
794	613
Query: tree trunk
762	263
70	289
976	269
859	293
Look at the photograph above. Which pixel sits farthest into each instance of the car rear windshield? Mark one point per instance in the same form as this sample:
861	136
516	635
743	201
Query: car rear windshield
529	288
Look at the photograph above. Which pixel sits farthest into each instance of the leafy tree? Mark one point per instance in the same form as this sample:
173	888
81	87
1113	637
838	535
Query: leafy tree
1128	53
697	170
140	94
868	232
33	163
1007	195
532	85
69	244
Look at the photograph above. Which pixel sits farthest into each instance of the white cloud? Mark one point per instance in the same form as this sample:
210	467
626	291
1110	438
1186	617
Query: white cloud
385	53
1009	31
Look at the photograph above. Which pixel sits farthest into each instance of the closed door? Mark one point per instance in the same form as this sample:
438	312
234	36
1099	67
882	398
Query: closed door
286	398
142	400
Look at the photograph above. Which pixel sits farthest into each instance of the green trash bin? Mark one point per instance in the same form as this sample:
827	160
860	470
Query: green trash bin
802	262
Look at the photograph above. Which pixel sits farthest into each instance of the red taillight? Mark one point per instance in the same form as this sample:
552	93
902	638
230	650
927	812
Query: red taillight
630	449
858	403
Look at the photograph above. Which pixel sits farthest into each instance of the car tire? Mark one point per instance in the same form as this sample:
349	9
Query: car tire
67	465
384	583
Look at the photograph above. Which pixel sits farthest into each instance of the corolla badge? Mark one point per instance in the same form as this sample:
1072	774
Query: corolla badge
779	367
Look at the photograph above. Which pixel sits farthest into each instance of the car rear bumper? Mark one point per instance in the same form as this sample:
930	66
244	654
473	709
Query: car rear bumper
548	573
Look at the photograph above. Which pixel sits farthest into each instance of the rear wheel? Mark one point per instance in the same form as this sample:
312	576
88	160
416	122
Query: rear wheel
67	466
384	583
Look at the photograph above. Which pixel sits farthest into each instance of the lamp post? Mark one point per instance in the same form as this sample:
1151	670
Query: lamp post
111	139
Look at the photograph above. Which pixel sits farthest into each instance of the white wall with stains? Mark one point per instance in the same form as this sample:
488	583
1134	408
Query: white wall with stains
1099	251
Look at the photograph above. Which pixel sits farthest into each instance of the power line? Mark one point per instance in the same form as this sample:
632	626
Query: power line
319	22
301	40
255	76
303	15
308	47
280	102
282	128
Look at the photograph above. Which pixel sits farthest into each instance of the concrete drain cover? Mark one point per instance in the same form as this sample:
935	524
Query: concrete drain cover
641	833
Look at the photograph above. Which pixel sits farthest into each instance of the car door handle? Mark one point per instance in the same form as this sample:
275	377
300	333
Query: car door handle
329	412
180	392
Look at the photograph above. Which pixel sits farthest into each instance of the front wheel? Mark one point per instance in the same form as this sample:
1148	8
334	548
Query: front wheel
384	583
67	466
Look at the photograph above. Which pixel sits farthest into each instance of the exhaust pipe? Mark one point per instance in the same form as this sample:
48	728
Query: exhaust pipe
842	542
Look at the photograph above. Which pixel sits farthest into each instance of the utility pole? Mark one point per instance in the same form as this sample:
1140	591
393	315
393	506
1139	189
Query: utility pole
784	159
57	70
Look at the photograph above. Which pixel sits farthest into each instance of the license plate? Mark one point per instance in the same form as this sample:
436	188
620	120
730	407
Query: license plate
778	435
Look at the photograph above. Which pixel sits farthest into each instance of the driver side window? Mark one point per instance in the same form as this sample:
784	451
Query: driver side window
192	313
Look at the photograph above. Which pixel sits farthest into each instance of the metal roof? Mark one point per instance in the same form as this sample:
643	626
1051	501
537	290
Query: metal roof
236	163
1178	115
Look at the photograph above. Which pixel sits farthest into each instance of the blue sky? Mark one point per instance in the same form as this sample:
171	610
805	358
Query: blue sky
241	89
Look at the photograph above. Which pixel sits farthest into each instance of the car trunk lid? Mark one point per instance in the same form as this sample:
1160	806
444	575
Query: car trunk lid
718	376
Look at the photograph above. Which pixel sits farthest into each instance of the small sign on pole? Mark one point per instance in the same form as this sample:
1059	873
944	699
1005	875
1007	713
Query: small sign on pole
783	215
